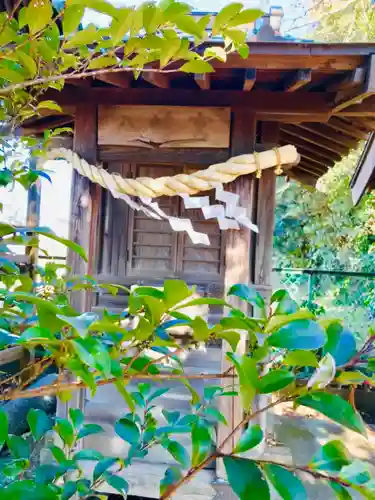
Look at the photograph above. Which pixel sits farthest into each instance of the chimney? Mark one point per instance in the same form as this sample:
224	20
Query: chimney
276	17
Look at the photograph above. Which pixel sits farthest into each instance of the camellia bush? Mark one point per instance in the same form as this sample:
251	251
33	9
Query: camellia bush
291	356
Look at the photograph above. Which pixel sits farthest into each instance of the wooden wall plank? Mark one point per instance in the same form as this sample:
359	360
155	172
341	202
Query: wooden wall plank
238	255
156	127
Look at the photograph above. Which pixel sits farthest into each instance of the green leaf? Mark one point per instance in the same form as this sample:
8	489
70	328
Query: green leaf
216	52
301	358
102	466
65	430
81	323
224	15
117	482
354	377
179	453
120	386
72	18
187	25
248	294
77	418
335	408
103	62
248	377
47	473
299	334
49	105
201	443
35	333
276	322
285	304
233	338
89	429
80	38
172	476
70	488
12	75
275	381
88	454
197	66
285	482
38	14
246	479
175	291
39	423
127	430
341	343
202	301
331	457
28	63
3	427
200	329
252	436
341	492
15	467
18	446
246	16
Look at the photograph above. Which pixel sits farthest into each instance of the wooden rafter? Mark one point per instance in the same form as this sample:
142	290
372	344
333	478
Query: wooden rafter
203	80
326	132
249	79
316	139
297	80
347	98
122	80
362	110
299	142
160	80
347	128
347	81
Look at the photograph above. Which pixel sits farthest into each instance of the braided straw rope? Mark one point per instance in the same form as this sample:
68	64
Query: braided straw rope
201	180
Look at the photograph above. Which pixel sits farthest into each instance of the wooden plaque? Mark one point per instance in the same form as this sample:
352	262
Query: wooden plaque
164	126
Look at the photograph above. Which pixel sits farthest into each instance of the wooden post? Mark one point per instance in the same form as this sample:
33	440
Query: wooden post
266	214
238	257
84	200
84	222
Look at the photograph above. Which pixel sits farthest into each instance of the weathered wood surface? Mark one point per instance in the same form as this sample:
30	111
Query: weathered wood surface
85	144
238	255
164	127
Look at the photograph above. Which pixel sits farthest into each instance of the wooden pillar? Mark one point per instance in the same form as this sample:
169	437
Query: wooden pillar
238	258
85	200
266	213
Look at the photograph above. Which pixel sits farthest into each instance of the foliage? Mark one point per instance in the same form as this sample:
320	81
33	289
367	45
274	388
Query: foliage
344	20
41	46
322	229
117	349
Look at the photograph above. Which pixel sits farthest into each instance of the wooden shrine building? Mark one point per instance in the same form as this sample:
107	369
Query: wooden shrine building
318	97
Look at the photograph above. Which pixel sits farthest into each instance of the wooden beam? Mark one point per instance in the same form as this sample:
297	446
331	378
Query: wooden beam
300	142
300	175
322	164
349	81
312	167
347	128
362	110
346	98
52	122
326	132
249	79
122	80
203	80
160	80
188	156
297	80
316	139
238	257
314	105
